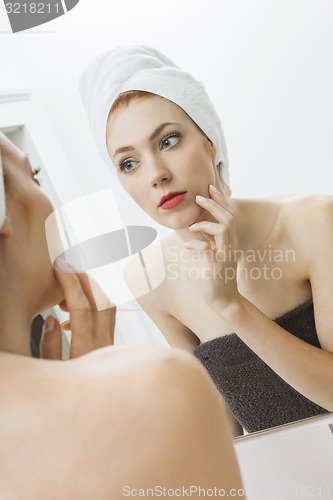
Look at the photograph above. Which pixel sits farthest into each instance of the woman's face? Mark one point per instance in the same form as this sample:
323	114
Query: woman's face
159	151
28	208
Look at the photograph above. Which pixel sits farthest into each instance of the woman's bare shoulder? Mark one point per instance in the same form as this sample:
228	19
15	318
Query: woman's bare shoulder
55	380
293	217
305	221
305	210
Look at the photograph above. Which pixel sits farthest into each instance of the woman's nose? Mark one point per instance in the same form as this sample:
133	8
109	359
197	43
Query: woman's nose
158	172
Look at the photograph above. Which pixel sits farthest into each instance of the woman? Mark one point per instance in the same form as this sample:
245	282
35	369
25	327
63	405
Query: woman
247	283
82	429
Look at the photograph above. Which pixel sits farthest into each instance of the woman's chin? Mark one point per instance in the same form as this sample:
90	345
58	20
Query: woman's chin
180	218
180	221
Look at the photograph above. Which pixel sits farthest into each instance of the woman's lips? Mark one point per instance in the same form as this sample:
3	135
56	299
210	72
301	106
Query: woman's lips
173	202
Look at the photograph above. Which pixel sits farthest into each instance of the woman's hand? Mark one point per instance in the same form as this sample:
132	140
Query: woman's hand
218	251
90	328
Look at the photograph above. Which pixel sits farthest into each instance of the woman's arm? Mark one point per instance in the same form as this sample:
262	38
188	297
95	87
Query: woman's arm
306	368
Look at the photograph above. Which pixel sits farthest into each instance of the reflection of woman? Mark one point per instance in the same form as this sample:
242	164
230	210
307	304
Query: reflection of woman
261	265
82	429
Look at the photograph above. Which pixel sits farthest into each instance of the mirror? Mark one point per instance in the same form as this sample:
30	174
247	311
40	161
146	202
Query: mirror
276	112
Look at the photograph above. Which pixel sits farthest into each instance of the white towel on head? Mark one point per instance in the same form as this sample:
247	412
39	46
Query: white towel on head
2	196
139	67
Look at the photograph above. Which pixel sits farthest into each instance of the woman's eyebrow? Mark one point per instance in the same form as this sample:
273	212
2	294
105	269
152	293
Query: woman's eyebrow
159	129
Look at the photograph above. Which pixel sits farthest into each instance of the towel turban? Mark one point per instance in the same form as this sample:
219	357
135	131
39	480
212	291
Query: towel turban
144	68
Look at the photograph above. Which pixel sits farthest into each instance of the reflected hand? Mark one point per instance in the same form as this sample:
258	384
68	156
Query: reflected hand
218	251
90	328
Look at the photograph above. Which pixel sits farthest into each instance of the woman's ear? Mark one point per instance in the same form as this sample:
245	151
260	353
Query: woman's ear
6	228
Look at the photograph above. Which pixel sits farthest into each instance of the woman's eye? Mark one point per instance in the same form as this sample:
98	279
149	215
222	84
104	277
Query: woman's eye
169	141
127	166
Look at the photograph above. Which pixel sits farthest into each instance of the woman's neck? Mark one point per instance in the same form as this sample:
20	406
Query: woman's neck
254	220
15	329
185	234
